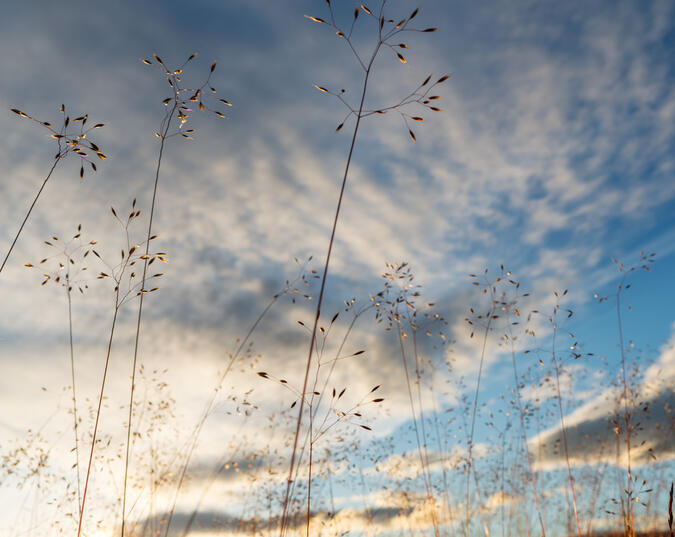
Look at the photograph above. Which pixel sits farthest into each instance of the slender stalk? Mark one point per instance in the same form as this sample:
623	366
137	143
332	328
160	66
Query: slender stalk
521	413
98	410
333	362
167	125
72	375
502	472
418	378
284	517
314	403
359	114
595	494
473	420
198	428
624	373
442	450
423	462
30	209
180	104
564	431
539	456
309	477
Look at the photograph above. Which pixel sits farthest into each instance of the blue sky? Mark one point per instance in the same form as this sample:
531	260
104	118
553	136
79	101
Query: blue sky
554	153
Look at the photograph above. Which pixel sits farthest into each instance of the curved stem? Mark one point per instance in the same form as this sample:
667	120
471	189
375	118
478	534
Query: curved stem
629	488
198	428
98	412
421	441
564	434
473	421
521	413
30	209
167	125
284	516
309	473
72	375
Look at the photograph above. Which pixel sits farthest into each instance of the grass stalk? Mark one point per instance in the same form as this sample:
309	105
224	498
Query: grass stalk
72	379
521	414
424	447
117	273
442	450
424	461
474	411
167	126
176	104
67	142
194	437
359	113
98	410
629	522
556	367
317	315
30	209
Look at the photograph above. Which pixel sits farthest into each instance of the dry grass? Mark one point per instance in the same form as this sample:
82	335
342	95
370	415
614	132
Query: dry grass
472	462
68	142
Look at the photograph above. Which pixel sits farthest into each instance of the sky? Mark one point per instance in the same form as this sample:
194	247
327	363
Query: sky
553	157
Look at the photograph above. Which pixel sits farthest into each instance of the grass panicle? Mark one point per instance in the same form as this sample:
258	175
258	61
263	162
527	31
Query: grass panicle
70	138
386	31
499	425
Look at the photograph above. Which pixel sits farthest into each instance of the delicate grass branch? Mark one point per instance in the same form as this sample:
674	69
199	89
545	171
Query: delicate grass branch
393	29
178	110
67	142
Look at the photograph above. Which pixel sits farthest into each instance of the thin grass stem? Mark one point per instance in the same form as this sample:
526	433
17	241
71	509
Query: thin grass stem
284	517
30	209
72	379
473	421
98	410
624	379
556	367
167	126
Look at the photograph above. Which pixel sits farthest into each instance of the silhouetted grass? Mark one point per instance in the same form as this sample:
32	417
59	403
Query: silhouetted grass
474	466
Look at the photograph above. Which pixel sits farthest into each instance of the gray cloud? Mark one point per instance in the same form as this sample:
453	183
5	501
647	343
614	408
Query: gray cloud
215	521
594	428
594	440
